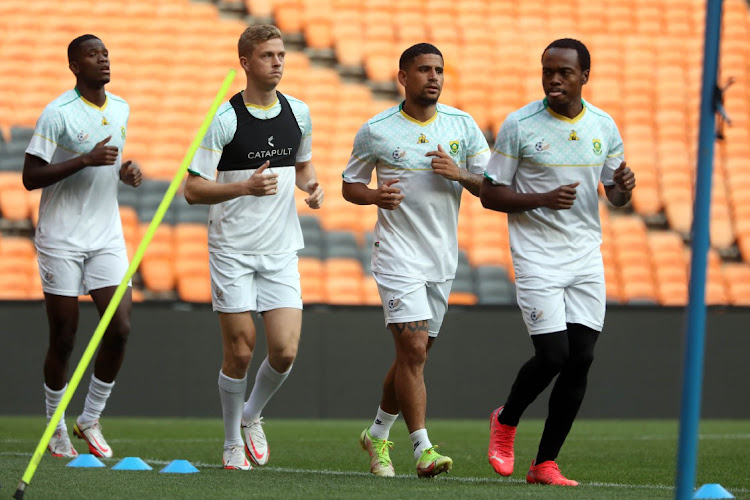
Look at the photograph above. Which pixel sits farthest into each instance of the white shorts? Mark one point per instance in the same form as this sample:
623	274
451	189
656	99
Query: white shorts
548	303
410	299
71	273
242	282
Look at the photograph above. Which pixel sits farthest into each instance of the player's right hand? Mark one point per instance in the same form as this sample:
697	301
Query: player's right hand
388	197
562	198
262	183
101	154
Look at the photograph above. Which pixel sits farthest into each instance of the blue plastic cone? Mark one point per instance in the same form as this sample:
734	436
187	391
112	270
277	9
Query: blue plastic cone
179	467
132	463
712	491
85	460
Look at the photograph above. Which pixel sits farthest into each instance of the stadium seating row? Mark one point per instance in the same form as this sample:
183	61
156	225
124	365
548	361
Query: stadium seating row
646	74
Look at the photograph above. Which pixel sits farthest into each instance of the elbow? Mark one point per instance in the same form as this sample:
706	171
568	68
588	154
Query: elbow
28	183
190	198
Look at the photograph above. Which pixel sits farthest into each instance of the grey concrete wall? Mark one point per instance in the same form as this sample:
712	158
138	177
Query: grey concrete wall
174	357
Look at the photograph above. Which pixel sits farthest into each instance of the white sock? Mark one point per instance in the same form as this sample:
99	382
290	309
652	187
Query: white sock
381	426
96	399
232	392
267	382
420	441
52	401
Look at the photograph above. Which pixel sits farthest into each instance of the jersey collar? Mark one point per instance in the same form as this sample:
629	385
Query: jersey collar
259	107
89	103
565	118
414	120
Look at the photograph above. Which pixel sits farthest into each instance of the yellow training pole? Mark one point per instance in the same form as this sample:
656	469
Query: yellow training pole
120	291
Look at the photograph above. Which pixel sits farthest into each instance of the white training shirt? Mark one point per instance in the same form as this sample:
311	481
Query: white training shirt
419	238
80	212
538	150
258	225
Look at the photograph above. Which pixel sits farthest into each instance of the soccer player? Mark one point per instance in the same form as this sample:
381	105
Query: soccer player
75	157
548	160
260	144
424	154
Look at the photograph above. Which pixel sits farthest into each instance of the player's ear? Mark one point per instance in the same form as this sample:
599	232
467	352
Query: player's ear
402	77
585	77
244	63
73	65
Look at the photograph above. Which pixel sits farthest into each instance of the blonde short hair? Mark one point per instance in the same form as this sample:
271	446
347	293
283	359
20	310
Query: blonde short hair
255	35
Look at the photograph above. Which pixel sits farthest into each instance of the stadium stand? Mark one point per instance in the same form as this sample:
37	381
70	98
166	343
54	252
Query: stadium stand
646	68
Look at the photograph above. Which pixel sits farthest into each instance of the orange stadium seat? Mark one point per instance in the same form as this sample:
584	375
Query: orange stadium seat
646	52
462	299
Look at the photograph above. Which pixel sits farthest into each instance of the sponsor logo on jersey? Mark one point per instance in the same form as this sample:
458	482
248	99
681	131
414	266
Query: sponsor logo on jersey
398	155
453	148
104	121
270	141
422	139
269	153
573	136
597	146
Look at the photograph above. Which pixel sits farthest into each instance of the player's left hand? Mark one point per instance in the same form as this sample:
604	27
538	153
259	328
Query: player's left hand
443	164
315	200
624	178
130	174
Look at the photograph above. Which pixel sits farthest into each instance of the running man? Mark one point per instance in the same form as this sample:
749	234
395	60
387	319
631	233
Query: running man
75	156
548	160
424	154
260	144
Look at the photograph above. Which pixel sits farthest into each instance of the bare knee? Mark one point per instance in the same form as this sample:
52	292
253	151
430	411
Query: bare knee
412	353
282	359
117	333
61	343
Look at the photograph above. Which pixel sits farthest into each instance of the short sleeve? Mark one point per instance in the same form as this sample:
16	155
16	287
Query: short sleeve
615	156
478	151
503	162
208	154
302	114
49	129
363	160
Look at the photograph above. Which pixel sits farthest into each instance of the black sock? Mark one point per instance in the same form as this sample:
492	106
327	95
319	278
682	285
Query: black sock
567	394
550	355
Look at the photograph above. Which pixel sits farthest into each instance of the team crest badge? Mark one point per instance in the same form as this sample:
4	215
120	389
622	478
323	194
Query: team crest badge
104	121
453	148
422	139
536	316
573	136
398	154
541	146
82	136
597	147
122	132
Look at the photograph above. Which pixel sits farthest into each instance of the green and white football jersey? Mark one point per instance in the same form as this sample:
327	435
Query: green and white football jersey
80	212
271	221
419	238
538	150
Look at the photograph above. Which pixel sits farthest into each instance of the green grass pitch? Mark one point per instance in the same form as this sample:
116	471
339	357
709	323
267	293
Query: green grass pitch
322	459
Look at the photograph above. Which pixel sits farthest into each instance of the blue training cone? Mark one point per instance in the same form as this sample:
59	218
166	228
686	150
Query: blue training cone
85	460
712	491
179	467
132	463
